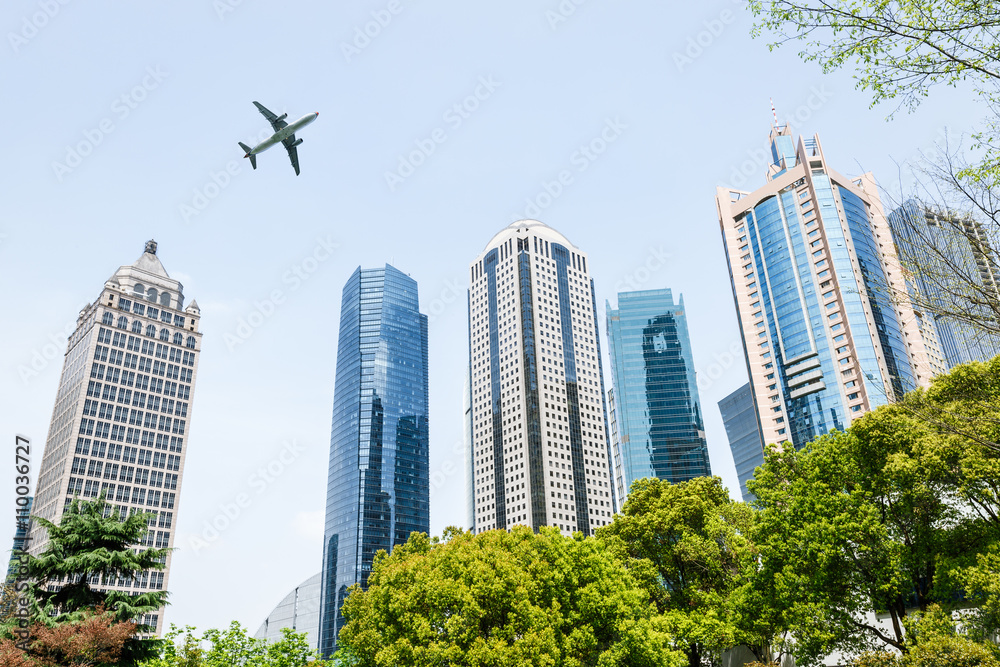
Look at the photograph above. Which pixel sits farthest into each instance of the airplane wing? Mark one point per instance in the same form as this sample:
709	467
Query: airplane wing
293	152
271	117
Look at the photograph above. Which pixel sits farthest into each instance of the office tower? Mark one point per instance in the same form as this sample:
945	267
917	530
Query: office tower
658	426
298	611
949	266
378	488
539	433
124	403
740	418
817	283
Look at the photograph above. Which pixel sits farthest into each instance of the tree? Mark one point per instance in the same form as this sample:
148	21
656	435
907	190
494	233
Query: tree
936	642
962	408
688	544
900	49
233	647
92	543
93	546
95	639
883	518
502	599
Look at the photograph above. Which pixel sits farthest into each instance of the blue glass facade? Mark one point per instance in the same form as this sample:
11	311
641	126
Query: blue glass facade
739	415
659	429
821	330
378	484
913	229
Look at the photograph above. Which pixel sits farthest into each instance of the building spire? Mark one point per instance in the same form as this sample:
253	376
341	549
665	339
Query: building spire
151	247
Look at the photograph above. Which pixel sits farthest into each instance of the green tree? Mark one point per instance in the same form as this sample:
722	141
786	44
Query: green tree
502	599
688	544
92	543
233	647
887	517
900	49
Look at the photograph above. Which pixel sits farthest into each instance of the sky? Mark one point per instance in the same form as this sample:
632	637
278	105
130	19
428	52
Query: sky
440	123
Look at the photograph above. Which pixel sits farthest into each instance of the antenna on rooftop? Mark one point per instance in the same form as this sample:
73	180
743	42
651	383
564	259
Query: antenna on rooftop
775	114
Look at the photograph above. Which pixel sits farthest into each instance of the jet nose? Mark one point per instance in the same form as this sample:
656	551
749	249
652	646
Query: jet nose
317	113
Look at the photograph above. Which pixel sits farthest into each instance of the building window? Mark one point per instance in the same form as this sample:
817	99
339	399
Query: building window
190	342
164	334
123	322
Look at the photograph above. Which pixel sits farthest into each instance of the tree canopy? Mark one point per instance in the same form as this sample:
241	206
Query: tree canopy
503	599
93	543
688	544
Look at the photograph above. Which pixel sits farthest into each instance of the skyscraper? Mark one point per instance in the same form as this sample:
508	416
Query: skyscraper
659	430
949	267
539	430
743	430
378	488
814	276
120	421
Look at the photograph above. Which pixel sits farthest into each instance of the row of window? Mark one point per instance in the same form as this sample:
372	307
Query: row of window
150	330
143	364
148	347
114	451
121	413
124	473
120	493
140	308
138	399
127	378
122	433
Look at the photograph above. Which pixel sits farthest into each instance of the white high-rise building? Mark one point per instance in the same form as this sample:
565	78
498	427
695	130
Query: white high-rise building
539	438
122	410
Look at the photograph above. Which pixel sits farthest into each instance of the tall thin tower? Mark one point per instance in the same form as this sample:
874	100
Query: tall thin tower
658	429
818	286
537	415
378	487
123	410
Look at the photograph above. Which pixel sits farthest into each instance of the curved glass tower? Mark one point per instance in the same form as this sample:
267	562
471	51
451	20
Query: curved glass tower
378	486
827	329
659	430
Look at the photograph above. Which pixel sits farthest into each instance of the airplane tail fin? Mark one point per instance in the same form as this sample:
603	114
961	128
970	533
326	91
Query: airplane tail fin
253	158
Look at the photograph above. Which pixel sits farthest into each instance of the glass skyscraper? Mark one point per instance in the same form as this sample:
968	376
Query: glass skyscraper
740	417
378	488
947	258
815	279
658	426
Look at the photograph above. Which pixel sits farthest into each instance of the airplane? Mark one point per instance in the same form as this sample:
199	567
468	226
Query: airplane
283	132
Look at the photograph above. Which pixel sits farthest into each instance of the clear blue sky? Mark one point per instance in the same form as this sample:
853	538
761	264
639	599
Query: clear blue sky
158	94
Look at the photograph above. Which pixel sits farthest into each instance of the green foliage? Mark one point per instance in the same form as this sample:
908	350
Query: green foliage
91	540
688	545
898	513
899	49
936	642
502	599
233	647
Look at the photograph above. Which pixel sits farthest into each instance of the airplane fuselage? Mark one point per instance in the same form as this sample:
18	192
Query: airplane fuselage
283	133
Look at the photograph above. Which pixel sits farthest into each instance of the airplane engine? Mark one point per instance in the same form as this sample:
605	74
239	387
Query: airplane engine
282	116
297	142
